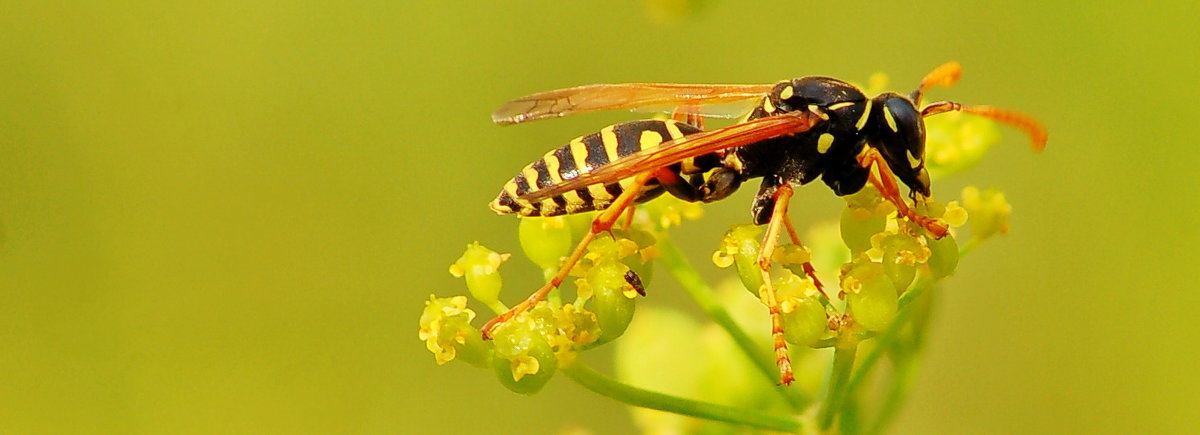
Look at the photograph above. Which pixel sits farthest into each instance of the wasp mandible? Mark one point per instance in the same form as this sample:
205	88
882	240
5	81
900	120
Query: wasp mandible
797	131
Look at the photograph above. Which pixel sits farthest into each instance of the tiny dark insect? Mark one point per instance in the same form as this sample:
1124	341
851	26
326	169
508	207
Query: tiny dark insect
798	130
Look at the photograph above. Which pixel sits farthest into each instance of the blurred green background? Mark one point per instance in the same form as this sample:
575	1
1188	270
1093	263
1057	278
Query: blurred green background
226	216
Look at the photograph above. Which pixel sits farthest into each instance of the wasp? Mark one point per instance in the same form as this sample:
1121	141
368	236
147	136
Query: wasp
798	130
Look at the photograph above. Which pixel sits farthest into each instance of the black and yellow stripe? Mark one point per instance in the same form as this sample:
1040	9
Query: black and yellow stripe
586	153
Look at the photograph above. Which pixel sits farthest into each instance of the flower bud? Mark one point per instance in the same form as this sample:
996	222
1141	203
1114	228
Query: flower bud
900	254
804	319
524	362
545	240
870	294
740	247
613	296
857	227
447	331
989	211
943	258
480	266
955	142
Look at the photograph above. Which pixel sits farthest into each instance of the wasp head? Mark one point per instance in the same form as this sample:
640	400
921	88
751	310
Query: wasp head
898	131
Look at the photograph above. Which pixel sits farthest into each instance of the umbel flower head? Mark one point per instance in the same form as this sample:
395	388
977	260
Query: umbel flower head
447	331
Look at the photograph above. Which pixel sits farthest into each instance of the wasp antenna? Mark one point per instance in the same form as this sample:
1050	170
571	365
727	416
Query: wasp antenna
1036	131
946	75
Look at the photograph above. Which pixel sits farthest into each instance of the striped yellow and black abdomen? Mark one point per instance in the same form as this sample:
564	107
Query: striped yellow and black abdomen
586	153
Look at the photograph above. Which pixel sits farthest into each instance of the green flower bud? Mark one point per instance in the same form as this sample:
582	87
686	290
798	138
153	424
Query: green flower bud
480	266
900	254
613	297
989	211
524	362
804	319
870	294
545	240
740	247
792	257
858	226
943	258
955	142
642	261
447	331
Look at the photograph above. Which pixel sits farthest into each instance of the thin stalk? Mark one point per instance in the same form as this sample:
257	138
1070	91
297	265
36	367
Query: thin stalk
628	394
902	382
699	290
843	364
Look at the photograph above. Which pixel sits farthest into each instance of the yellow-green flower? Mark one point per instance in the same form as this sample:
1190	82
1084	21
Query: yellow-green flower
989	210
447	331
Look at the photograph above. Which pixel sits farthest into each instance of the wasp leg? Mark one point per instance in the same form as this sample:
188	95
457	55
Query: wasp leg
1033	128
781	194
884	180
603	222
808	267
628	217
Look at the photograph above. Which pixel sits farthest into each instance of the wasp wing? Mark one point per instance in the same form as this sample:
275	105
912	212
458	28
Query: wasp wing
676	150
689	99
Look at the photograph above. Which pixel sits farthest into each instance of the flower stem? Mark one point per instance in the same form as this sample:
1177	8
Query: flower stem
628	394
699	290
843	363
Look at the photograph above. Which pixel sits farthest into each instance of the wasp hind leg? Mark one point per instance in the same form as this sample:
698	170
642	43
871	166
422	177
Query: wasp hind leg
603	222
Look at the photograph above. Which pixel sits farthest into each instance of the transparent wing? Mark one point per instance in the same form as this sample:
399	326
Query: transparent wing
705	100
678	149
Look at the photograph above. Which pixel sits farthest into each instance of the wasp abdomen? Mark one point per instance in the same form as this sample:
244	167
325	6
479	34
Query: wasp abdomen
586	153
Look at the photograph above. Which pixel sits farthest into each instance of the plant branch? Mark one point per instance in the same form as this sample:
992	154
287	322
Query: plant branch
628	394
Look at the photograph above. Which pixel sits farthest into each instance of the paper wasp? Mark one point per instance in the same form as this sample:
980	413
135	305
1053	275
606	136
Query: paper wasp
797	131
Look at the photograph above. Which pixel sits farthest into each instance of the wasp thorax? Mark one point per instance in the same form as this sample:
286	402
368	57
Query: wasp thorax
898	131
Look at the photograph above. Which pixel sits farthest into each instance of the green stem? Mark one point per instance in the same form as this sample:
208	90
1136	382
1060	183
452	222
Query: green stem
902	382
699	290
843	363
628	394
969	246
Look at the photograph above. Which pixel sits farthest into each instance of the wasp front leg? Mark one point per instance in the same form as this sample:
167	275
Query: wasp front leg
885	181
603	222
779	196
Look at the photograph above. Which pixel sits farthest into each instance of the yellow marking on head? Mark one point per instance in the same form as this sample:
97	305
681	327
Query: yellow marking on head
531	178
841	105
862	121
767	106
673	129
609	139
816	110
787	92
552	166
913	161
824	142
579	153
891	122
650	139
